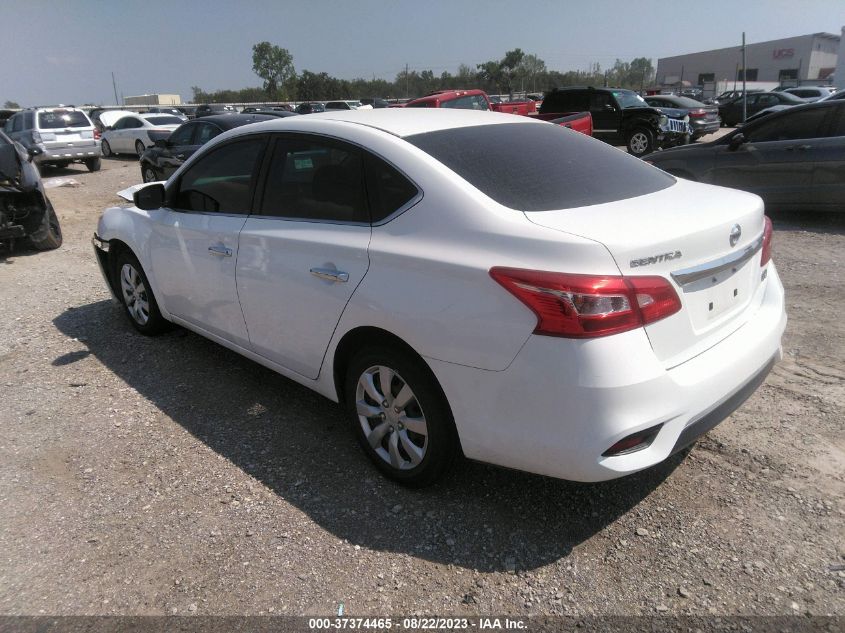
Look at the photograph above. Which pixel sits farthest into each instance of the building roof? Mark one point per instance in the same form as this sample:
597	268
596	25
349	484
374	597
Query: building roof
829	36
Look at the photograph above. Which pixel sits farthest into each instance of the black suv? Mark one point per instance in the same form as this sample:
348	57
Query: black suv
207	109
622	117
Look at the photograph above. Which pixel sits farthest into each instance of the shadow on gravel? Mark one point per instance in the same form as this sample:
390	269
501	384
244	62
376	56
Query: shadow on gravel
809	221
299	445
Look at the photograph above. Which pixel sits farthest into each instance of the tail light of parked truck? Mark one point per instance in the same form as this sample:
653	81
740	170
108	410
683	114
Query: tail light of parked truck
587	306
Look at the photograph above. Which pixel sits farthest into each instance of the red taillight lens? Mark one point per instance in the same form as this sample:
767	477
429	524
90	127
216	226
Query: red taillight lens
587	306
766	251
97	134
697	114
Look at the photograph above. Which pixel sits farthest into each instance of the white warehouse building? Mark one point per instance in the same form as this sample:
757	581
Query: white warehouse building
805	59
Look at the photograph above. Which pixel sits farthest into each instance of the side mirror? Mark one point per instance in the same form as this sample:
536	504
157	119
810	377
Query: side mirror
150	197
737	140
162	143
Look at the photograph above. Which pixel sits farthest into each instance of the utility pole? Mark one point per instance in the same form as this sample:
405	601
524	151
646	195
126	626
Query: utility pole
114	85
744	73
406	81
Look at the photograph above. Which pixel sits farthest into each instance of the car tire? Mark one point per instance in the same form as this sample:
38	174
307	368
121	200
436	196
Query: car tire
640	142
148	174
105	149
93	164
136	296
49	234
140	148
414	457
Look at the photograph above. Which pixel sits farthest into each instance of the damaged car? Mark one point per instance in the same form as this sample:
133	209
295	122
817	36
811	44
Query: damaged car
25	211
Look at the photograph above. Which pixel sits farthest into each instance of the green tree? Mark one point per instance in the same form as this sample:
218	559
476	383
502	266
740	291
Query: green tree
12	105
532	68
275	66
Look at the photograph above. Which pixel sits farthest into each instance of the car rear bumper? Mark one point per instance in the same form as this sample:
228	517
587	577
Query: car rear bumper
77	151
700	128
562	403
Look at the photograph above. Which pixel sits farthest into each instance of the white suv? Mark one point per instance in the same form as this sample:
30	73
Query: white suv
57	136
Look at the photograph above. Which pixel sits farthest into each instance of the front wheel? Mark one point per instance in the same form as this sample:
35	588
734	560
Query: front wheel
137	298
49	234
640	142
400	416
148	174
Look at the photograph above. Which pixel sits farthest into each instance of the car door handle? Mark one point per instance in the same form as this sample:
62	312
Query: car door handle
329	274
220	251
802	148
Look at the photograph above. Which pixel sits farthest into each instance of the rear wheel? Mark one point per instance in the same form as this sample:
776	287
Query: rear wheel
640	142
105	148
139	148
137	298
49	234
400	416
93	164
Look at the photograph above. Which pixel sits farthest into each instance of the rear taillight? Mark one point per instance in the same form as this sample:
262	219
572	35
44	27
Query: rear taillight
97	134
766	251
697	114
587	306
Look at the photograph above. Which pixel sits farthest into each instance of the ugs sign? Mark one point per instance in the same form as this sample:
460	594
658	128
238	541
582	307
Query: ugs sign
781	53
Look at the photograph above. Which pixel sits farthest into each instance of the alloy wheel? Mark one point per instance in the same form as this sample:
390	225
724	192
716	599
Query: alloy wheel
134	294
391	417
638	143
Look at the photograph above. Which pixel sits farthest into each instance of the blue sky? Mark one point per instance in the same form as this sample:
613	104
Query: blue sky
65	51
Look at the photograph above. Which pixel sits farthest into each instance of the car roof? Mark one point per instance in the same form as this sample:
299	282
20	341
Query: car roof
401	122
802	107
229	121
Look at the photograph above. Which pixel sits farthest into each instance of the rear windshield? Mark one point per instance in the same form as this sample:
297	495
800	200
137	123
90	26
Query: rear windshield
62	119
681	102
540	167
164	119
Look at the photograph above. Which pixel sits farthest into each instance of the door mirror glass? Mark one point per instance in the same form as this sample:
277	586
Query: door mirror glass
150	197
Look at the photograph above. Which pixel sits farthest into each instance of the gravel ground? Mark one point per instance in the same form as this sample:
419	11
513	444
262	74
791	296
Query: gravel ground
171	476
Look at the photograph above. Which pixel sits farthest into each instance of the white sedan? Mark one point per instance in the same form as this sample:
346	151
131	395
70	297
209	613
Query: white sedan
131	132
463	282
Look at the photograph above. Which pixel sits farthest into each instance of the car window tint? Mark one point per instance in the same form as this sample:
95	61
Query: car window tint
540	167
791	126
28	120
164	119
17	123
313	180
222	180
206	132
182	135
569	101
388	189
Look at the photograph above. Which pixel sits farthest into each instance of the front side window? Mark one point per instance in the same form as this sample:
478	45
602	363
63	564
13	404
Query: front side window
223	180
628	99
164	119
315	180
790	127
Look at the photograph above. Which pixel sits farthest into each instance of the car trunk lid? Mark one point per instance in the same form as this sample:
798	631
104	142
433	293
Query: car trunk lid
683	234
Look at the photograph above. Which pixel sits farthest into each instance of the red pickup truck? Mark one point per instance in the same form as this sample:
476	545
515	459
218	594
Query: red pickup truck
478	100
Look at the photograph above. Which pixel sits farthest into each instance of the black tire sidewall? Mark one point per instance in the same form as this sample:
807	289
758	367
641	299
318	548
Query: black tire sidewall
105	148
156	324
442	437
143	148
45	238
93	164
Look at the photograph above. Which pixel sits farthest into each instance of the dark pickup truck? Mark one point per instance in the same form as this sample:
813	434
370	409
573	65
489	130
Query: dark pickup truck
623	117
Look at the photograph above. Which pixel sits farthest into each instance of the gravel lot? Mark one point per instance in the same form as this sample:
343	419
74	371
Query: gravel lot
171	476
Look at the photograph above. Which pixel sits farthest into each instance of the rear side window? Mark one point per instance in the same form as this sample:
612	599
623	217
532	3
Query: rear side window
568	101
61	119
388	189
315	180
164	119
471	102
223	180
540	166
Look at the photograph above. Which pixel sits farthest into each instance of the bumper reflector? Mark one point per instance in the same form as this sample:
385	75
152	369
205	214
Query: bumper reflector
634	442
